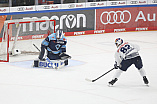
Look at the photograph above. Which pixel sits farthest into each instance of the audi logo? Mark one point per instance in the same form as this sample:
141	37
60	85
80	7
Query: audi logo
112	19
93	4
154	1
21	9
113	3
46	7
133	2
71	6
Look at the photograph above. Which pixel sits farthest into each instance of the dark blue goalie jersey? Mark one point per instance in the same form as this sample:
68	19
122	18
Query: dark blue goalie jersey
54	45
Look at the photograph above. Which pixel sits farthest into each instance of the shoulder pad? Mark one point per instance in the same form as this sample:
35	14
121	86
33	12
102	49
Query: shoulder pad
52	36
63	38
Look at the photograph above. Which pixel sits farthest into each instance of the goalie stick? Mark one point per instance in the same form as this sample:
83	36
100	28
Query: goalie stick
99	77
36	47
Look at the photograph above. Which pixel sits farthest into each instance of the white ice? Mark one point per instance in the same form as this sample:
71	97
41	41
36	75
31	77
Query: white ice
92	56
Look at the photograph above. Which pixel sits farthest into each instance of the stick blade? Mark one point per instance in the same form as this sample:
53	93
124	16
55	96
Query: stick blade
89	80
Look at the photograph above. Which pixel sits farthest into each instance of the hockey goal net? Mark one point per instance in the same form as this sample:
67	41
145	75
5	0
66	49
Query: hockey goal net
20	35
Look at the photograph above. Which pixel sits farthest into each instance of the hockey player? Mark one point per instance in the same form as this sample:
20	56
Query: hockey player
55	44
126	55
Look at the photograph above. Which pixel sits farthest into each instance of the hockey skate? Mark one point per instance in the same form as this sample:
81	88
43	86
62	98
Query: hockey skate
145	80
113	81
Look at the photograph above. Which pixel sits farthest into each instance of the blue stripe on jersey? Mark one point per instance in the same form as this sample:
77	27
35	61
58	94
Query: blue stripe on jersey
44	42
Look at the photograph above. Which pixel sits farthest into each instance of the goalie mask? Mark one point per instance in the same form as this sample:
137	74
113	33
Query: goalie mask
59	34
118	42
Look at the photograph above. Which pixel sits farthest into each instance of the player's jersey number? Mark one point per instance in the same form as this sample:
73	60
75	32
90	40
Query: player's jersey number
125	48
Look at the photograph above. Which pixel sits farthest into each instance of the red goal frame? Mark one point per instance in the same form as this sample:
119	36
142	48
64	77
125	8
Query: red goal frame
21	22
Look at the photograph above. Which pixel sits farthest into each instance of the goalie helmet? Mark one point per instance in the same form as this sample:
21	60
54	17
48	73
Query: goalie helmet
118	41
59	34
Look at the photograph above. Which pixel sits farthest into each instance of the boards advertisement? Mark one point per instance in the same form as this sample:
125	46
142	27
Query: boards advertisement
69	21
126	19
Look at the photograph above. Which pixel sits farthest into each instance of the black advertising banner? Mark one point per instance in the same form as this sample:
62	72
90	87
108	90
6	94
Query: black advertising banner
69	21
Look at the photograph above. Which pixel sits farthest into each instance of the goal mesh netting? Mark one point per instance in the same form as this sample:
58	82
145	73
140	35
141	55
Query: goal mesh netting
20	35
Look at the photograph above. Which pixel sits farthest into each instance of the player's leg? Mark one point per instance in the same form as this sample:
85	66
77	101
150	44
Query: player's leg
125	64
116	76
42	52
52	56
139	65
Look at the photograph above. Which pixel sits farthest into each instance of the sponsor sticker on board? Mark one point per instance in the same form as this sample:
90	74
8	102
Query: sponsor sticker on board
4	10
22	9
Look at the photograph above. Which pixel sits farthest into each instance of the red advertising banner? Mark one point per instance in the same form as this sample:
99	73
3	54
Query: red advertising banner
123	19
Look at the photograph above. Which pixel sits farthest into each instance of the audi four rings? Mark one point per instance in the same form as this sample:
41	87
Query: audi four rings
115	17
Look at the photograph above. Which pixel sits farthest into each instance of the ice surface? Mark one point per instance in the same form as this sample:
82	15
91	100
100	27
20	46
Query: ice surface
92	56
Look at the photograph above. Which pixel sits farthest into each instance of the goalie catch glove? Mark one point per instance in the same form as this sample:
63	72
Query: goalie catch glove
115	65
64	56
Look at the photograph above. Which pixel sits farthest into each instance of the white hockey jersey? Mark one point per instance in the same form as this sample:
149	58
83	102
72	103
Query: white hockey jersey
126	51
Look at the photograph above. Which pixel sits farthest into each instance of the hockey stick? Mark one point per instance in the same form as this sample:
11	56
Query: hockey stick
98	77
36	47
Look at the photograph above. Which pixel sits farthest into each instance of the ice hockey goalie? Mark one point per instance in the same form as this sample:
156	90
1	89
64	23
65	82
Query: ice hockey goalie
55	44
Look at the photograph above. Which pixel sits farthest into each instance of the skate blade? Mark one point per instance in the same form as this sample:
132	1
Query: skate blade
110	85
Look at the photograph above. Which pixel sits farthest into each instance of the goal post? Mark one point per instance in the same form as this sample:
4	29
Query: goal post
19	36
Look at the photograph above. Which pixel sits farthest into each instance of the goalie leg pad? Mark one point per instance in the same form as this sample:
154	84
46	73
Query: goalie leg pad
54	64
66	62
36	63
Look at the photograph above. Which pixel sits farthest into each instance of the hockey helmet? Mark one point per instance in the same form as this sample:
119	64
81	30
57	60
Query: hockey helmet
59	34
118	41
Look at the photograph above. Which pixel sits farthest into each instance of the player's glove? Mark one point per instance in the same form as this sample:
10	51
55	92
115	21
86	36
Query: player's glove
64	56
115	65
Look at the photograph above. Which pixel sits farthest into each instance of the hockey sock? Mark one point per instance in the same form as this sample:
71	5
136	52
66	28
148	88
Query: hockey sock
142	72
117	74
